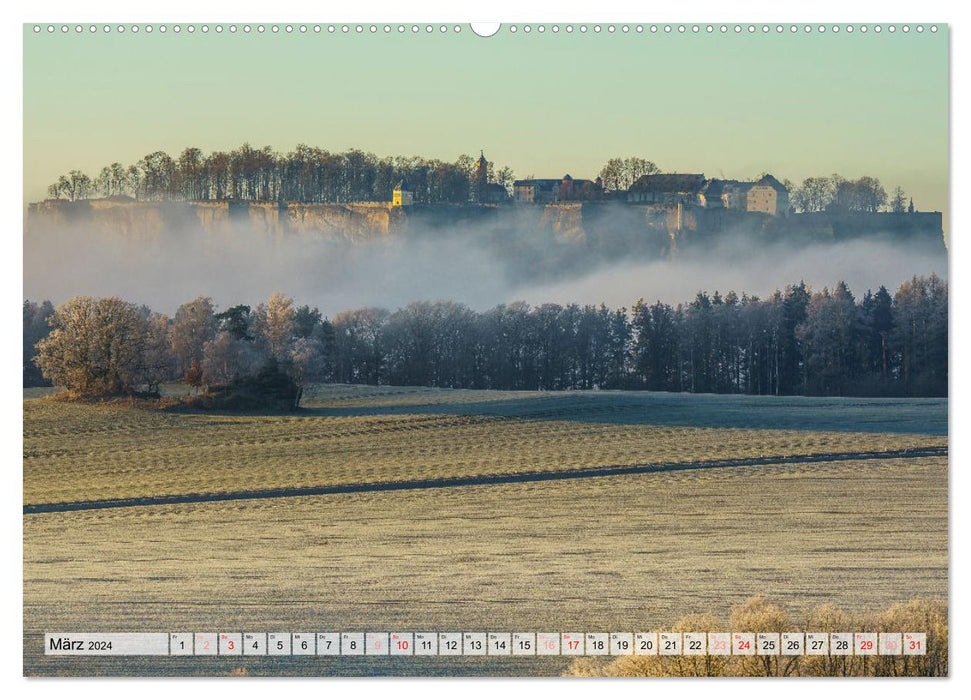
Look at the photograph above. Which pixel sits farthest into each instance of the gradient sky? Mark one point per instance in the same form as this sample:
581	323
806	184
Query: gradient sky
544	104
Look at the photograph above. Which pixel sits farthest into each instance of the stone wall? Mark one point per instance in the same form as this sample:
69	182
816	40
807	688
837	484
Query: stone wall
610	227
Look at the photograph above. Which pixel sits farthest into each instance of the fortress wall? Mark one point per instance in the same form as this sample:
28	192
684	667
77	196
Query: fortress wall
853	225
443	219
611	227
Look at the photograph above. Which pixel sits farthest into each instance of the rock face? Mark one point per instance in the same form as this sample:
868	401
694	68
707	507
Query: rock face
609	228
131	220
349	222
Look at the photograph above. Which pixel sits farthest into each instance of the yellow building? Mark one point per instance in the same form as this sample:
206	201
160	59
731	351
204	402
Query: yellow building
402	196
768	196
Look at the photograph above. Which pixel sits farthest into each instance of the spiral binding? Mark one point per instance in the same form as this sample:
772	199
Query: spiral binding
435	29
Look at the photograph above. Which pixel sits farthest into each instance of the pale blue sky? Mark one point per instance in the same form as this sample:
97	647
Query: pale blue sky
731	105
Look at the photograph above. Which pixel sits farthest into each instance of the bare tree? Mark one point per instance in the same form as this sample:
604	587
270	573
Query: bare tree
158	175
111	180
158	362
133	180
73	186
305	360
228	357
275	324
898	202
192	326
618	174
814	195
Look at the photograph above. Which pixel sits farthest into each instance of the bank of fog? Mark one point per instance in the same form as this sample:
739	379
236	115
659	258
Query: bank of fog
477	267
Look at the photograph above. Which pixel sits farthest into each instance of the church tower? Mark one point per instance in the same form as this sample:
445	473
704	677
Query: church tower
481	177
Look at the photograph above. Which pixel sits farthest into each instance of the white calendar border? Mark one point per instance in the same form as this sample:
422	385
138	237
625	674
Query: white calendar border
11	651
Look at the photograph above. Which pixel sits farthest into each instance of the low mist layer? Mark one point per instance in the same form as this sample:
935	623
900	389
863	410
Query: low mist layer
863	264
471	264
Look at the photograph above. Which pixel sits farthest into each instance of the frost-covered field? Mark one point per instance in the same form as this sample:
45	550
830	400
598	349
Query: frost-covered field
586	553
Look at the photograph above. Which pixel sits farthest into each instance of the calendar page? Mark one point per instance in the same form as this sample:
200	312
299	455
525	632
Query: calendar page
516	349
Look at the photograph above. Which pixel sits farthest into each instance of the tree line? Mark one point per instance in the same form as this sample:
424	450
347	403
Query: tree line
796	341
837	193
306	174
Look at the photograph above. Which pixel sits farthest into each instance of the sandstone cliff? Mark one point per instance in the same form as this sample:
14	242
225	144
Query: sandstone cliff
607	228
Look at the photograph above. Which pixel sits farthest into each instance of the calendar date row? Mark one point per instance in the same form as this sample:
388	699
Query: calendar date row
487	644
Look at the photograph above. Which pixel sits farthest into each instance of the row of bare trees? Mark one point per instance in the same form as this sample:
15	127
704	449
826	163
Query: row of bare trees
836	193
618	174
795	341
306	174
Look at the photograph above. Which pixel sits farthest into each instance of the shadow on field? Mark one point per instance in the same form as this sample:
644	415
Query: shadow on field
480	480
917	416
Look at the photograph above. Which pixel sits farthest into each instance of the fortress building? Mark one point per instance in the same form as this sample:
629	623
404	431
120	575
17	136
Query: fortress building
402	195
768	196
566	189
676	188
765	196
535	191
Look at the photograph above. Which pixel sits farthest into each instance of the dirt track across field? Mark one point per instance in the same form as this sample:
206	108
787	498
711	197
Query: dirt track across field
484	480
